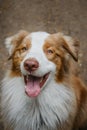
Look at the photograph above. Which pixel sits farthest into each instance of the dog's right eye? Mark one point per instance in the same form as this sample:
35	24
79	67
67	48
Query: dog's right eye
24	49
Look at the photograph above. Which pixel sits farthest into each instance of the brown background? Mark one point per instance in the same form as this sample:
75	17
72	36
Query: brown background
68	16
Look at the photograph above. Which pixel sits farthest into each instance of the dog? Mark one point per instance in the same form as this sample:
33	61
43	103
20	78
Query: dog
40	92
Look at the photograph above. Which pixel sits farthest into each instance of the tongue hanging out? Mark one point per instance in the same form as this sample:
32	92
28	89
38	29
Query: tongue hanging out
34	84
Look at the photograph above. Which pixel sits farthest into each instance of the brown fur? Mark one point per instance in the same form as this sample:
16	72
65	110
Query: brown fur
21	48
60	51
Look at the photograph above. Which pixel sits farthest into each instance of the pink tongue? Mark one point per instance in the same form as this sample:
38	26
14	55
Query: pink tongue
33	86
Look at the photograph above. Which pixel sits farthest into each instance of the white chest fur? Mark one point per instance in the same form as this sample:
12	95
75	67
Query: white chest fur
50	109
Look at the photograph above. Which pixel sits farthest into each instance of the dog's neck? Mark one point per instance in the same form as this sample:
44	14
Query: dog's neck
40	112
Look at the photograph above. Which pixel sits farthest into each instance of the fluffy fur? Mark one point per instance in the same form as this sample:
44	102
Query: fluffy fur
62	101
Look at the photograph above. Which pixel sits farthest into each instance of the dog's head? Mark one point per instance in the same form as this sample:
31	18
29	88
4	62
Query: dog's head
40	57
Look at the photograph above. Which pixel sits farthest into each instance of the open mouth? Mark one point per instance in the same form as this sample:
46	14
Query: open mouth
33	84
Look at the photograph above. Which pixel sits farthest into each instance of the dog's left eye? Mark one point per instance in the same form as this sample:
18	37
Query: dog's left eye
49	51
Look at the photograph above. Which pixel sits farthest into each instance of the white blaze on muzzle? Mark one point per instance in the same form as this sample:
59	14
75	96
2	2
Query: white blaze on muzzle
35	78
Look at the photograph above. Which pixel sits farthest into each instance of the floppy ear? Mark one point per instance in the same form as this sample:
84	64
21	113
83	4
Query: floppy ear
68	43
72	46
13	41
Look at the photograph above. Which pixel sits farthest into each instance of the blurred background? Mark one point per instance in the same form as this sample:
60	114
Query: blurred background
67	16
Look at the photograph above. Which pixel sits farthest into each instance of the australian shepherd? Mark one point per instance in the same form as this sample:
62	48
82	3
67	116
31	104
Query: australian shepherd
40	91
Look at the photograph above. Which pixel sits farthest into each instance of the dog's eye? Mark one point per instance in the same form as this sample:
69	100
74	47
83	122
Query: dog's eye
24	49
49	51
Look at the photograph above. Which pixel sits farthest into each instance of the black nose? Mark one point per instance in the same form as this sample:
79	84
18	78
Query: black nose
31	64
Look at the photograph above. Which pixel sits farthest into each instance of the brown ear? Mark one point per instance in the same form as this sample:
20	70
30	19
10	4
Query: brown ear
72	46
68	43
15	40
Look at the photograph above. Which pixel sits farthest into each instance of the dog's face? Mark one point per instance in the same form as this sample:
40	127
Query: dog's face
40	57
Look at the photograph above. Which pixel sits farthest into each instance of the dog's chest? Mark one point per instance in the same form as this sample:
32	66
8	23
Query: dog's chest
48	111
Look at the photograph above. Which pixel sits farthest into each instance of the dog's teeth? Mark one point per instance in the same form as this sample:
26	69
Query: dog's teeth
41	80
